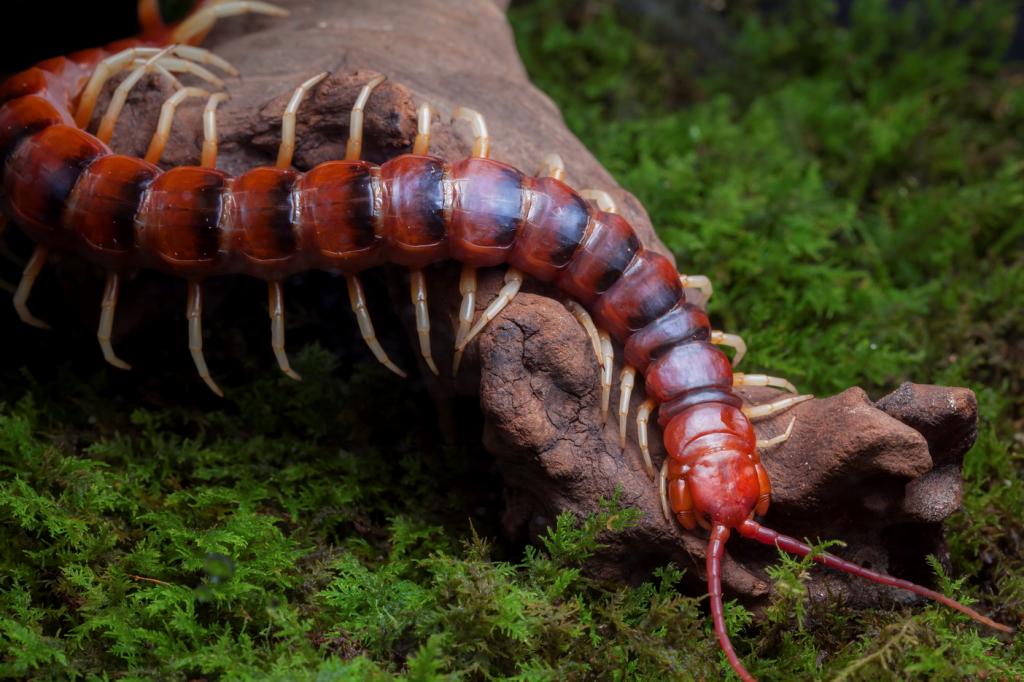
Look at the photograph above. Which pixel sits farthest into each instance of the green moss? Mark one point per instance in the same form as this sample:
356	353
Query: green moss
854	191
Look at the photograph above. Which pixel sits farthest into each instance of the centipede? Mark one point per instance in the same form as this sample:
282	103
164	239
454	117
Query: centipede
67	190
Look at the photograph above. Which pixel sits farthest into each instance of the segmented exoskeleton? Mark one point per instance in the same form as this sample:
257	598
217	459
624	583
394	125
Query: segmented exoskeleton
66	188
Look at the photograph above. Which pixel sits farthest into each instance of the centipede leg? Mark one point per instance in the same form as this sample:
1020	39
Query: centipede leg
607	369
28	279
209	156
552	166
741	379
601	199
163	127
467	287
513	280
194	313
276	307
755	412
643	414
358	300
202	21
777	440
698	282
120	96
626	381
663	490
587	322
681	502
354	146
421	146
287	148
108	306
733	341
481	139
418	287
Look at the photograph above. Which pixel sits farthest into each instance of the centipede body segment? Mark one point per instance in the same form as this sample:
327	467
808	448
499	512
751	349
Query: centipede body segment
68	190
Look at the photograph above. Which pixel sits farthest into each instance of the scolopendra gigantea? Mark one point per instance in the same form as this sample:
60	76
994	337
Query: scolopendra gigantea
530	232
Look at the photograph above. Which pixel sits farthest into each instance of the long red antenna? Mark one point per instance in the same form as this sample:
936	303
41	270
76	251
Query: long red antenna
756	531
716	547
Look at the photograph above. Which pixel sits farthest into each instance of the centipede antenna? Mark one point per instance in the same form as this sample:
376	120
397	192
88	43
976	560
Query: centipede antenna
202	21
354	146
28	279
287	148
513	280
552	166
601	199
418	289
194	313
481	139
716	548
608	367
626	380
209	156
733	341
777	440
358	301
755	531
698	282
276	308
741	379
120	96
421	145
643	414
755	412
163	126
467	287
108	306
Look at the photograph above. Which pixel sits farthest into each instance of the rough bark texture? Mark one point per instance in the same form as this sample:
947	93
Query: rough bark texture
880	476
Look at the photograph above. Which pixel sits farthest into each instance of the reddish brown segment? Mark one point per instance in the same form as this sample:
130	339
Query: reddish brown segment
179	221
609	248
262	215
103	204
555	225
413	217
682	323
336	210
648	289
26	116
487	211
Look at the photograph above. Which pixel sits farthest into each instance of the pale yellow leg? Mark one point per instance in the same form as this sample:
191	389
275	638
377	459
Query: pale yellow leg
358	301
626	381
287	149
481	139
418	287
513	280
276	307
741	379
643	414
663	490
107	308
552	166
587	322
203	20
28	279
733	341
136	56
607	369
354	146
120	96
755	412
209	158
422	143
467	287
194	313
777	440
601	199
698	282
163	127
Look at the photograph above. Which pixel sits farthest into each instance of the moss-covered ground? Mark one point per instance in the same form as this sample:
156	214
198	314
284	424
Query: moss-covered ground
855	189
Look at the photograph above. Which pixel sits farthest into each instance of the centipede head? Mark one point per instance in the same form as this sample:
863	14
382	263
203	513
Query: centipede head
724	487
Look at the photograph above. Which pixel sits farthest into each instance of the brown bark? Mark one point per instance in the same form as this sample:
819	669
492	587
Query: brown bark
880	476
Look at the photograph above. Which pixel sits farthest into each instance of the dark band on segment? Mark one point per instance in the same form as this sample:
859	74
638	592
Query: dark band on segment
263	213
